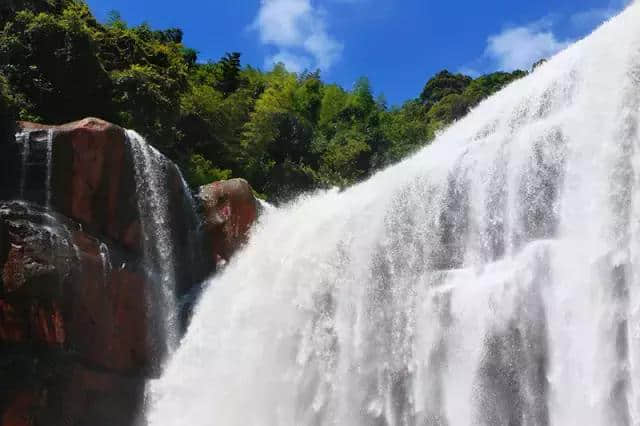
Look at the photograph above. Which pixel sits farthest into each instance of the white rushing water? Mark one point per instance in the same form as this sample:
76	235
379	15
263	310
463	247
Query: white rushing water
151	169
24	139
491	279
49	160
107	266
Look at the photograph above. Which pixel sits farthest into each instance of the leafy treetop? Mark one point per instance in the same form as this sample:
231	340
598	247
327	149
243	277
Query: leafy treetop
284	132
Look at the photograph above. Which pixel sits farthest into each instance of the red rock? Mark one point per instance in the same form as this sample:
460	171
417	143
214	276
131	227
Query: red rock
59	297
81	330
77	401
230	211
110	324
12	274
47	324
69	296
92	178
13	327
20	410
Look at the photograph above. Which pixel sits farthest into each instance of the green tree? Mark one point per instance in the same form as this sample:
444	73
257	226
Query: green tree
285	132
229	79
407	128
52	61
114	20
443	84
200	171
8	111
277	138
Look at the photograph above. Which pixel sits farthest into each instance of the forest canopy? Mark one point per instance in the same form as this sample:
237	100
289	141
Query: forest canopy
285	132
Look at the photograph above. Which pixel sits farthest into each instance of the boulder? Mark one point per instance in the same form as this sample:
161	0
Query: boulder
85	173
56	391
81	309
230	209
79	305
77	308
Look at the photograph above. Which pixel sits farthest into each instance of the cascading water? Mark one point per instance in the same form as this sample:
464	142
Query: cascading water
49	162
105	258
25	142
36	168
194	237
151	170
491	279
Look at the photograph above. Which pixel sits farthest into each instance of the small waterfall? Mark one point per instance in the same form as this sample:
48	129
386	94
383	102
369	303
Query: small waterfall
194	225
107	267
49	162
151	171
265	206
24	171
491	279
36	166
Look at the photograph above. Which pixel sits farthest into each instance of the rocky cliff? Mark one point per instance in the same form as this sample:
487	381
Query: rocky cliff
80	296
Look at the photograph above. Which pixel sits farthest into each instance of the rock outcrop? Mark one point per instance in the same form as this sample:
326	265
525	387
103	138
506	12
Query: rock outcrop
90	179
79	306
230	209
74	323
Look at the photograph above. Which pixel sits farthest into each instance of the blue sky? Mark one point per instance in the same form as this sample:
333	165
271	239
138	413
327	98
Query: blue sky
398	44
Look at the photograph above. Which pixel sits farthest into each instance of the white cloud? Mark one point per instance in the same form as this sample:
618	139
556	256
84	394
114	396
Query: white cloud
293	62
323	48
298	30
521	47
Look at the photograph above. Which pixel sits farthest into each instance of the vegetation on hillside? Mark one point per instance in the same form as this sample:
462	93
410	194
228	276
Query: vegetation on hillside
284	132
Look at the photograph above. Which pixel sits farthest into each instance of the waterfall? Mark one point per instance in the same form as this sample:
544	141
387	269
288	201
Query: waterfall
194	225
105	258
491	279
25	142
151	176
49	163
36	166
265	206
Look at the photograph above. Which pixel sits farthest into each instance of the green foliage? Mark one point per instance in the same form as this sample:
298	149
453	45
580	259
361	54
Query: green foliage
200	171
285	132
8	111
334	100
115	21
538	63
277	137
9	8
489	84
443	84
52	61
229	69
409	128
68	66
449	97
345	158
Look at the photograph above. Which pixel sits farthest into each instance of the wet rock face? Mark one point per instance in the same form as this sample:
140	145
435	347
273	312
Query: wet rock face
73	319
77	309
230	209
85	171
90	179
80	304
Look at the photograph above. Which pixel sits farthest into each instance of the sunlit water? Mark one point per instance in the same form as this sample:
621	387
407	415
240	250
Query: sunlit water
491	279
152	176
49	167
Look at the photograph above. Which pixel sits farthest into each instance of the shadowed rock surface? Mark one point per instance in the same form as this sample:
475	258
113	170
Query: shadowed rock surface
229	210
78	305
